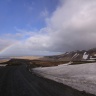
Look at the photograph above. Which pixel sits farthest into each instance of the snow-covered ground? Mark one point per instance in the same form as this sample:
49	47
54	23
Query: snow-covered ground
3	64
81	77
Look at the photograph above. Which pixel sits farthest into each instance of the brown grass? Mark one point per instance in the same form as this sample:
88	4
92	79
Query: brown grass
28	57
4	60
47	63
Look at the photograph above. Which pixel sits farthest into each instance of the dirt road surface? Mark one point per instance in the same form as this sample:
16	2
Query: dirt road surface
18	81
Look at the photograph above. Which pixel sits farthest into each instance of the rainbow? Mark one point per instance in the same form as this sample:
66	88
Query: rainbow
6	48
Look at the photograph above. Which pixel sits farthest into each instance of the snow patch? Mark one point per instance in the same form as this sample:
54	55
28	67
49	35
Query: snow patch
75	55
81	77
92	58
66	64
85	55
3	64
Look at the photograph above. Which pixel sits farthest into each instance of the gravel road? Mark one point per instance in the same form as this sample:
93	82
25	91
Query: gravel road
18	81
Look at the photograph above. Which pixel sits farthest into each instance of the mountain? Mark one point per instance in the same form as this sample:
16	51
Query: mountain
79	55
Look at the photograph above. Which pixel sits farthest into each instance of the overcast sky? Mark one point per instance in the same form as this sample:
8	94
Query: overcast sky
46	27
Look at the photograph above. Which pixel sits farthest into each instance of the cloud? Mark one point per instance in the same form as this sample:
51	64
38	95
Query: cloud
19	34
70	27
44	13
73	25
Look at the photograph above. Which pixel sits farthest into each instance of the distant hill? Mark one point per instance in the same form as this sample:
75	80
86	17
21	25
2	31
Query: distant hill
27	57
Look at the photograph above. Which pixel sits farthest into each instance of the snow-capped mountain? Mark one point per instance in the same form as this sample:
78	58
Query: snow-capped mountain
84	55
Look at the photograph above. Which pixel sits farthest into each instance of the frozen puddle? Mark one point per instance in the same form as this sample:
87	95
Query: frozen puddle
81	77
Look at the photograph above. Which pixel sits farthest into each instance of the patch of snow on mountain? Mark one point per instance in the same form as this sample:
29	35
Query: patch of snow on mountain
92	58
75	55
81	77
85	56
66	53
